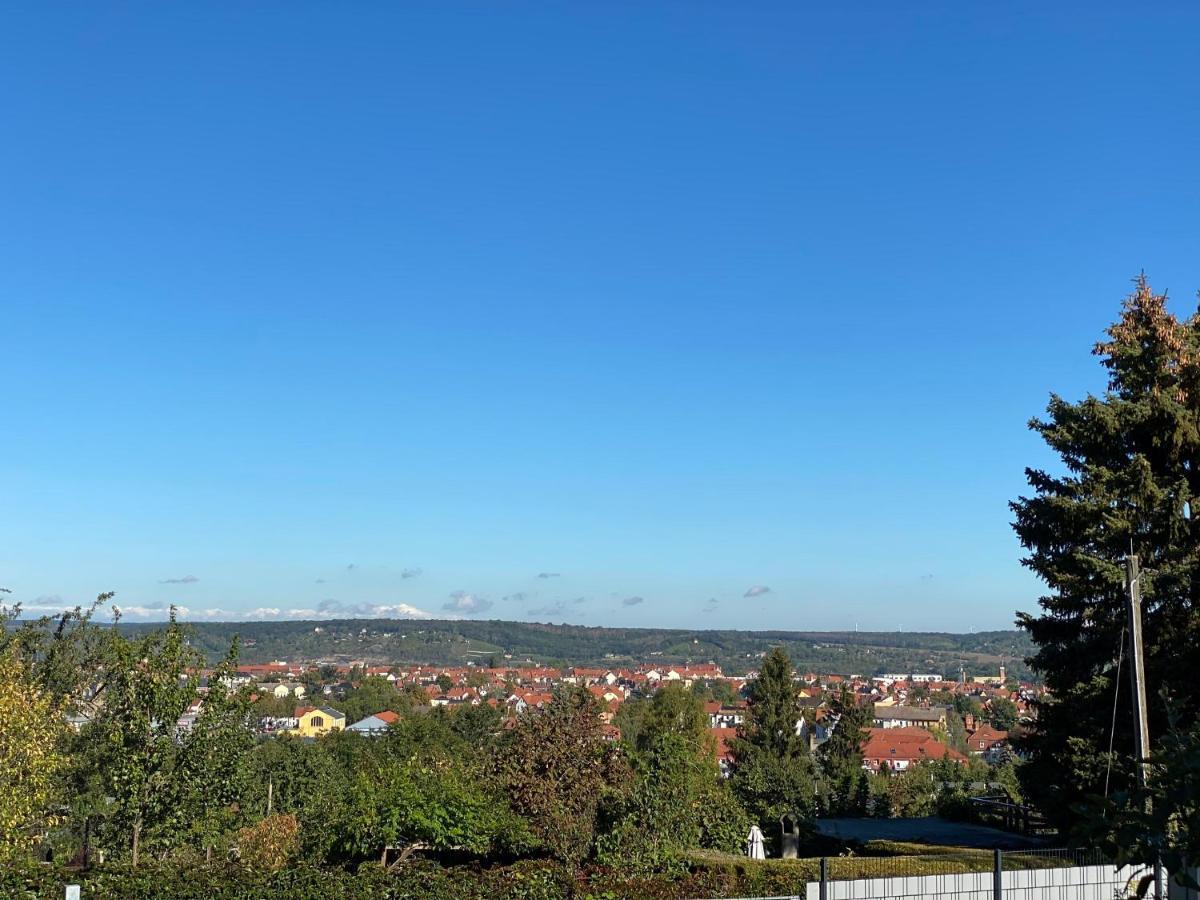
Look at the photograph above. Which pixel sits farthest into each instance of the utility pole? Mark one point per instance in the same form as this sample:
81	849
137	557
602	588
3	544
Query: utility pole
1137	673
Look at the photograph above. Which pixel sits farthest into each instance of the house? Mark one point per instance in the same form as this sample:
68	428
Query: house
373	726
722	746
895	749
988	742
909	716
722	716
314	722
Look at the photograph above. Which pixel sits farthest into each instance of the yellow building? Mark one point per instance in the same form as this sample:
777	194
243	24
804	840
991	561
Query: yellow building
314	722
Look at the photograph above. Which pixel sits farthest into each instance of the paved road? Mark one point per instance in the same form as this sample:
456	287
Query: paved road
928	830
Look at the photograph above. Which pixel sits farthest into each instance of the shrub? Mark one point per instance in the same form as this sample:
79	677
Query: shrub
270	844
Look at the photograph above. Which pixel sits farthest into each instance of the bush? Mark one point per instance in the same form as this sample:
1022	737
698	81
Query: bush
270	844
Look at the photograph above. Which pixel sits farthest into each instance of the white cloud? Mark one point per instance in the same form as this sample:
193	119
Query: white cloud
401	611
159	612
467	604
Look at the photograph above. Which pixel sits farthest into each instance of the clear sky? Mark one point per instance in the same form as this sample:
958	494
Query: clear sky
724	315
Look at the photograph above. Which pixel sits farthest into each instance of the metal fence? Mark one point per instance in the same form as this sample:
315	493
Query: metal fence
1044	874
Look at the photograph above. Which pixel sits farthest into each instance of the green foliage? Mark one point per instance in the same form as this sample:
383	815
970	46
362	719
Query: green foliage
772	768
478	725
1160	820
165	785
438	803
1002	713
628	718
840	759
678	801
374	694
557	769
31	757
1129	480
774	709
673	711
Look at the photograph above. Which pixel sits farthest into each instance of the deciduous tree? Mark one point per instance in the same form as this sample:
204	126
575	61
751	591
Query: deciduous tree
31	754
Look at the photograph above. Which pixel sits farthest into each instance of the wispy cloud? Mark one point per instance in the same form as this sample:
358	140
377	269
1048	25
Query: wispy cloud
633	601
158	612
579	600
553	611
351	566
757	591
710	606
549	575
518	597
409	573
320	581
186	579
467	604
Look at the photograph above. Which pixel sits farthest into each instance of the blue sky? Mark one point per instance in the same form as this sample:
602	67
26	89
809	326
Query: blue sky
722	315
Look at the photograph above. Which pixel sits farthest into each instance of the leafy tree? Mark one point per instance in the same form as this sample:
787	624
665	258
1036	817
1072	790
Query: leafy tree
628	718
444	683
269	844
303	779
211	755
374	694
913	792
433	802
661	817
1161	820
1129	480
476	725
1002	713
164	785
678	800
966	705
956	731
674	710
67	653
557	768
31	754
772	768
715	689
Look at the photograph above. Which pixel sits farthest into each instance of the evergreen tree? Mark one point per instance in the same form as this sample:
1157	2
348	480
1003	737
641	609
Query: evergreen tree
772	768
841	757
1129	480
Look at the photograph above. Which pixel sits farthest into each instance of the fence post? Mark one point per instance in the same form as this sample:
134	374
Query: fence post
997	875
824	878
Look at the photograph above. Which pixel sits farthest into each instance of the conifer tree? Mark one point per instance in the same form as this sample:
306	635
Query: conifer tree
772	768
1128	482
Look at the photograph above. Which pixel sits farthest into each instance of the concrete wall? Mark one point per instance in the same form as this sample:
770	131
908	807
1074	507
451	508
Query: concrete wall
1076	883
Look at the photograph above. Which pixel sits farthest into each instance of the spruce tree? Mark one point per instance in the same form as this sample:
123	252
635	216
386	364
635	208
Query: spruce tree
1129	476
841	757
772	768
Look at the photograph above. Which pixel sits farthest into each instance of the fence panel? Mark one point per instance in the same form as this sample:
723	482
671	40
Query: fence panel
1061	874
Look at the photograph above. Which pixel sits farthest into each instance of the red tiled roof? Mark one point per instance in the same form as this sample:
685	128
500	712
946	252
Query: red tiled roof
905	744
724	736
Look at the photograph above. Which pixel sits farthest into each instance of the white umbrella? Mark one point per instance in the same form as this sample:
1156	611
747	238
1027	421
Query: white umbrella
754	843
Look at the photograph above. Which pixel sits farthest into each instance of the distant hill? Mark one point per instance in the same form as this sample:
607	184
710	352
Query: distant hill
438	642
